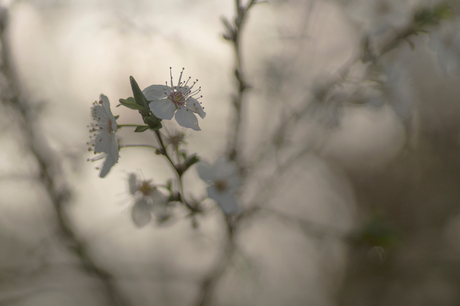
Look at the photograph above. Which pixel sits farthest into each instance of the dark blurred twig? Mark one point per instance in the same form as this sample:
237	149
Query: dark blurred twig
287	124
49	168
233	34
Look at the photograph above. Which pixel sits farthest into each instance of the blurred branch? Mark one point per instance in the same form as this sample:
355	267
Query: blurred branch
233	34
210	281
49	167
288	123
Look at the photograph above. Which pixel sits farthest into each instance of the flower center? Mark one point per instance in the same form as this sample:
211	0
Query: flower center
177	98
220	185
145	188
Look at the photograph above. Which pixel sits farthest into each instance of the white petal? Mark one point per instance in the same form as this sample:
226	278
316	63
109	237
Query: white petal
132	183
105	113
187	119
108	164
195	106
101	142
233	182
141	213
105	102
113	146
99	112
159	200
204	171
225	200
163	109
156	92
157	197
224	169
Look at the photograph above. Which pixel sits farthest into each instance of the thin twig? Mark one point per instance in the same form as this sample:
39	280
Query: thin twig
234	146
287	124
163	150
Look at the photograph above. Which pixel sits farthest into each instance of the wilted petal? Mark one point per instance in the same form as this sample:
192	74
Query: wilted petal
187	119
141	213
225	200
163	109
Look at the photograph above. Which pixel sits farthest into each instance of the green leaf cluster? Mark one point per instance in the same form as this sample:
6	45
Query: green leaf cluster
140	103
432	16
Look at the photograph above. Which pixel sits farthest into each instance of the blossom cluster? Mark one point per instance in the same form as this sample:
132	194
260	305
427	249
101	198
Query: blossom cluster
156	103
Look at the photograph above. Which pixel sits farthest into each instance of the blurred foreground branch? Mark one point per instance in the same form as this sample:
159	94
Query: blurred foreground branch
50	173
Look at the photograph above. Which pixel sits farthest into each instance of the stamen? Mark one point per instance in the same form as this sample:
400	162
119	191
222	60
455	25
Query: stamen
170	74
180	76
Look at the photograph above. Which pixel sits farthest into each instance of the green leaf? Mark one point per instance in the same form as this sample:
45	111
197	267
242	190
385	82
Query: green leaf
153	122
141	128
432	17
116	117
169	184
190	161
443	11
131	103
138	94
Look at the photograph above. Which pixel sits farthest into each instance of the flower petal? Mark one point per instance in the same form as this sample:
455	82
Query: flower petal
163	109
98	111
113	146
225	200
204	171
141	213
108	164
156	92
187	119
224	169
132	183
157	197
195	106
101	142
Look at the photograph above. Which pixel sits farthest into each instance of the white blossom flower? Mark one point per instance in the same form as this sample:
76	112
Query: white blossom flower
445	43
103	139
147	201
165	101
223	181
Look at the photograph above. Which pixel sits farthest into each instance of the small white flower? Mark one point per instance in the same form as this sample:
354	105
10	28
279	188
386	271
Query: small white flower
179	100
445	43
103	139
148	201
223	181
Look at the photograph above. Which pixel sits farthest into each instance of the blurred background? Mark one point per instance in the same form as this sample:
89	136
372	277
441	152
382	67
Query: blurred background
350	146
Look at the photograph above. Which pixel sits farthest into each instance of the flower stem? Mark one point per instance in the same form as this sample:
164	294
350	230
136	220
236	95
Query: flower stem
138	145
179	173
234	143
127	125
